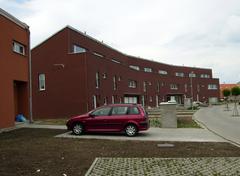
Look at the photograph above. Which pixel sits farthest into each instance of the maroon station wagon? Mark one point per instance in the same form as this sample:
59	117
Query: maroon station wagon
128	118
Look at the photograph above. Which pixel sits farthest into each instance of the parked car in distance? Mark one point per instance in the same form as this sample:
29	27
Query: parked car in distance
128	118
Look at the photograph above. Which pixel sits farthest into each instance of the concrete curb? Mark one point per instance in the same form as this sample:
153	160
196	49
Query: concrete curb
91	167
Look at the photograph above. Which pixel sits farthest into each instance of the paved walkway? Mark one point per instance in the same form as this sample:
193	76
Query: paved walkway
157	134
216	166
221	122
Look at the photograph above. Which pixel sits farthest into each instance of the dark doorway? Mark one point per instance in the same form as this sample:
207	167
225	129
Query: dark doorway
20	98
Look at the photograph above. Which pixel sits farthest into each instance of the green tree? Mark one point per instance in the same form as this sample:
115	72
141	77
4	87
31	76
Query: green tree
235	92
226	93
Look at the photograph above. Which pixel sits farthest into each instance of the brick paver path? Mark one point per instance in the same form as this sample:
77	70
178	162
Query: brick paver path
213	166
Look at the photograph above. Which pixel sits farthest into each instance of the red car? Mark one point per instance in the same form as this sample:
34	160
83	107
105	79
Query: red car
128	118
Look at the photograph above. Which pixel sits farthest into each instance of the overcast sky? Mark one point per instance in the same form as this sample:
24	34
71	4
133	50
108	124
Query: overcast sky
201	33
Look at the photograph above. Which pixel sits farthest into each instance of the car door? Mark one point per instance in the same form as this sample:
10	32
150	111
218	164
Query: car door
117	119
97	120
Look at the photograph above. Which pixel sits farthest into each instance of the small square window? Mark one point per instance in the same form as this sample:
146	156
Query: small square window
18	48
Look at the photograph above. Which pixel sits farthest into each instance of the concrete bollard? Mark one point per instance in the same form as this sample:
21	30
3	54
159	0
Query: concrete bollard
168	115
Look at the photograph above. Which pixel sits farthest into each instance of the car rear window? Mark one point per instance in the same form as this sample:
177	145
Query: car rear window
119	110
133	110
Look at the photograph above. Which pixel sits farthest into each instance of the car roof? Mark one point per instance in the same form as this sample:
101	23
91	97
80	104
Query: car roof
122	104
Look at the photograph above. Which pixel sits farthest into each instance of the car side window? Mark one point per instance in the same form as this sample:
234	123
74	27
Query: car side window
133	111
119	110
102	112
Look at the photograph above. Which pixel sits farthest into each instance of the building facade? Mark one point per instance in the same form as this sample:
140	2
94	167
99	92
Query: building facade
14	67
74	73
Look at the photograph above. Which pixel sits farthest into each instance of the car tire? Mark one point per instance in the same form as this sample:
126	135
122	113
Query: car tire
77	129
131	130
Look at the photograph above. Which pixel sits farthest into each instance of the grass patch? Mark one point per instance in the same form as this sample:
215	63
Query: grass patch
187	124
155	122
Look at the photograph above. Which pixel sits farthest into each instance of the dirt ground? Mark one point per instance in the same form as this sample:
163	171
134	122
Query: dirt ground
36	152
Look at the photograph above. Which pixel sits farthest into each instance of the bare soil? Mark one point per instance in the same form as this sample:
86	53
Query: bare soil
31	152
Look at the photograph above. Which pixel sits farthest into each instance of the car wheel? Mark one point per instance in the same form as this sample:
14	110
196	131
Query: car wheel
77	129
131	130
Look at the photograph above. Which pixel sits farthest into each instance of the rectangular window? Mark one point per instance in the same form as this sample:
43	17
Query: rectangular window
205	76
162	72
158	87
185	87
173	86
212	86
114	83
134	67
97	54
192	75
145	86
115	61
41	82
132	84
97	80
18	48
78	49
147	69
179	74
119	110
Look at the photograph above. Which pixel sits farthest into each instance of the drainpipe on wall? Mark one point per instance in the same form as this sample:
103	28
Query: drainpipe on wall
30	81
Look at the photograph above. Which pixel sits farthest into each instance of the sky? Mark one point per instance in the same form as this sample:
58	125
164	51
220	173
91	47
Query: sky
195	33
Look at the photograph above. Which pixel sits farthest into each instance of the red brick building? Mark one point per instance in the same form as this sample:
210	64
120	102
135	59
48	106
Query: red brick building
14	66
73	73
226	86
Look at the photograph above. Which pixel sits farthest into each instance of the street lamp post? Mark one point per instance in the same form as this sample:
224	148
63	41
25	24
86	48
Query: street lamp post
191	82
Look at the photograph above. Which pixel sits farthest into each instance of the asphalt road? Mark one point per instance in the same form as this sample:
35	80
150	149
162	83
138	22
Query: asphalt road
221	122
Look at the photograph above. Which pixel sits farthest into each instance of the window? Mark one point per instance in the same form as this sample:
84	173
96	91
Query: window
173	86
102	112
94	101
162	72
104	75
147	69
158	87
41	79
114	83
185	87
115	61
212	86
105	100
78	49
179	74
144	86
18	48
205	76
192	75
132	84
97	54
113	99
97	80
133	111
119	110
134	67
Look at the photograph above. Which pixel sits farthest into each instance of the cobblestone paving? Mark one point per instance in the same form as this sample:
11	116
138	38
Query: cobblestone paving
214	166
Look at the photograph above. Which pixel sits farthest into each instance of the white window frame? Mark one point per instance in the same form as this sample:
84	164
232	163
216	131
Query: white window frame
134	67
132	84
173	86
17	47
115	61
78	49
98	54
42	82
192	75
212	87
179	74
97	80
205	76
147	69
162	72
115	83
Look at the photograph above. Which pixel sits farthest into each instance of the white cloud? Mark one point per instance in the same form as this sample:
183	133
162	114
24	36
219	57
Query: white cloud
194	33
